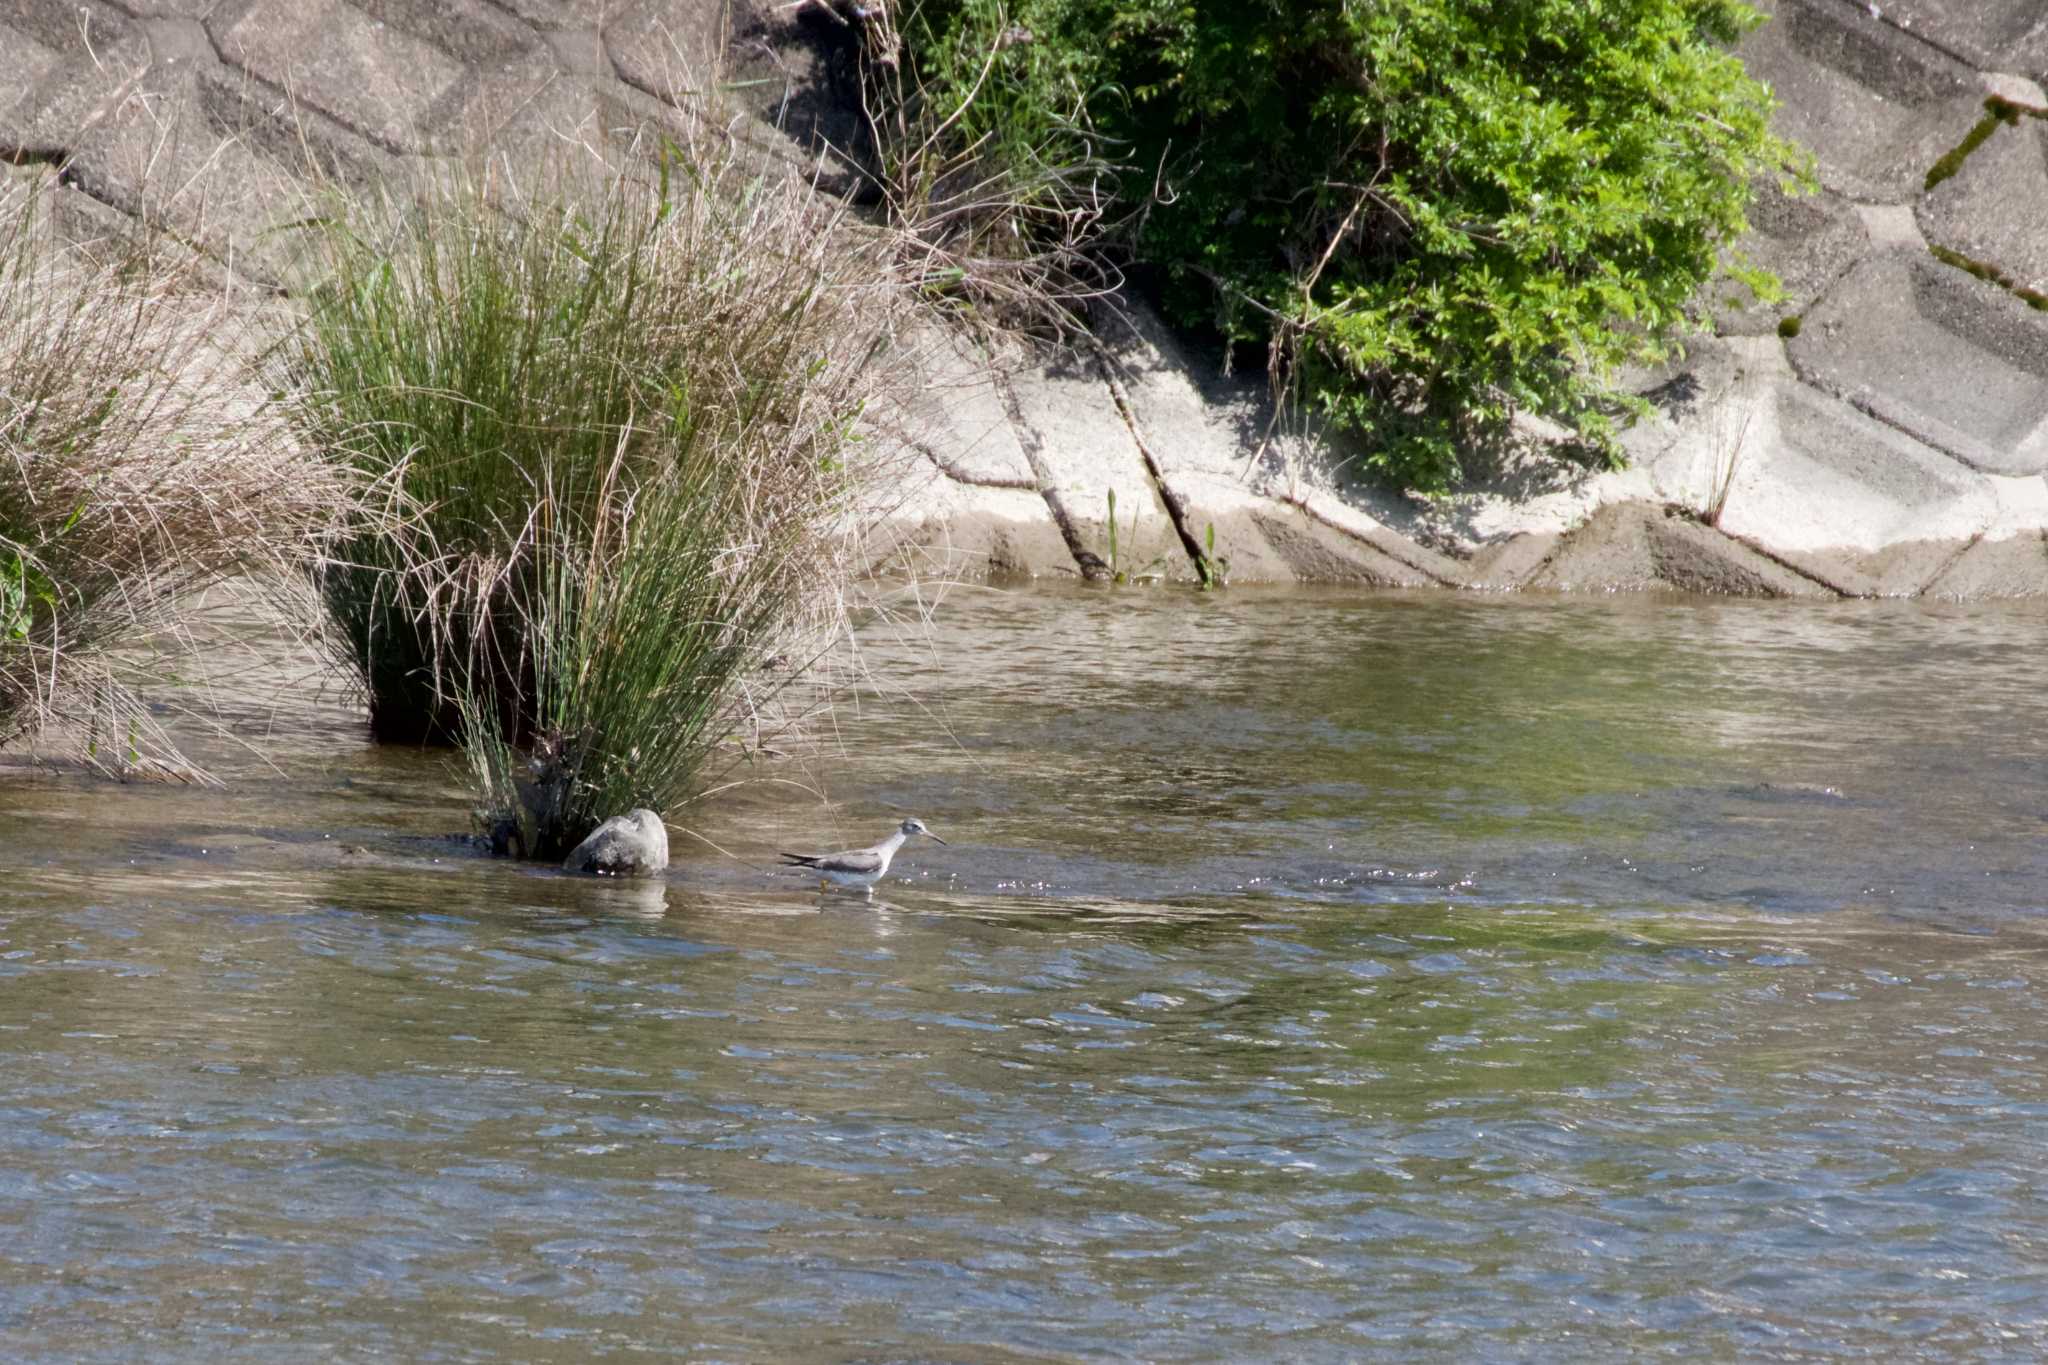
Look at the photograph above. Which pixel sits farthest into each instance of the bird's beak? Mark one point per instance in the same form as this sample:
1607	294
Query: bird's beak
935	836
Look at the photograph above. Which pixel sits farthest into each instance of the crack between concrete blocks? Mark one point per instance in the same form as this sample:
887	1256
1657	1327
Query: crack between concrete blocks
964	480
1092	565
1954	559
1176	506
1912	35
1765	552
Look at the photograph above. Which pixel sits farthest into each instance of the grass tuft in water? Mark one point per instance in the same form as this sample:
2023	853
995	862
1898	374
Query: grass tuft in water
611	422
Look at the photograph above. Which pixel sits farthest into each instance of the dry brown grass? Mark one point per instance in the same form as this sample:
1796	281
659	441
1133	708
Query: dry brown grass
137	467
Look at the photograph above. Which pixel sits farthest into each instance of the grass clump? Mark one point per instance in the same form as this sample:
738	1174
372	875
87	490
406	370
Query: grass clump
609	422
137	468
1425	215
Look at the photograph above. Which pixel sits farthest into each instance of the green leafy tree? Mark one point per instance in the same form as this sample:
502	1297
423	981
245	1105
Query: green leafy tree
1431	213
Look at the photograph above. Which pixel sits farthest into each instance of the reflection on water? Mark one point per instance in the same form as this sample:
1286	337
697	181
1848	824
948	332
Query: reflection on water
1307	978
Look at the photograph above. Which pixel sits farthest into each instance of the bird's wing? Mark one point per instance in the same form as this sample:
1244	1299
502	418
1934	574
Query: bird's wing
804	859
859	861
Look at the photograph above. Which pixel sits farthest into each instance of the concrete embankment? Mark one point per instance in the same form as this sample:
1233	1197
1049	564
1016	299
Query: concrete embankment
1881	431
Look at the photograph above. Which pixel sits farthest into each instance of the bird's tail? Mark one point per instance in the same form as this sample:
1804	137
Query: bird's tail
799	859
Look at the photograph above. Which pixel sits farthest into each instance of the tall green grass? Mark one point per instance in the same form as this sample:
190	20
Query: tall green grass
137	468
608	418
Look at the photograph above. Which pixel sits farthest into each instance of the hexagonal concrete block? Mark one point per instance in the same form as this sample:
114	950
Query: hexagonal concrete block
934	528
1807	241
1315	552
672	49
73	57
1992	209
1876	106
1958	363
1081	448
1511	562
2016	566
948	405
369	76
184	150
23	63
1635	547
1814	473
1991	35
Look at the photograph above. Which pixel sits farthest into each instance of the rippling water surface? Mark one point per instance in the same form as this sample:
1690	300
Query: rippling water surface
1308	978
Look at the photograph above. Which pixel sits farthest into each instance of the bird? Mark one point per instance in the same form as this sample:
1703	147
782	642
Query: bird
861	867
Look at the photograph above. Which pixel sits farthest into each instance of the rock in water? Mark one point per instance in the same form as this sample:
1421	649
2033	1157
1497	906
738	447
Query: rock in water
631	845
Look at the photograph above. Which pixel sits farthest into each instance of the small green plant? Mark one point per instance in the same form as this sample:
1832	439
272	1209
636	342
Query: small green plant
1116	574
1208	567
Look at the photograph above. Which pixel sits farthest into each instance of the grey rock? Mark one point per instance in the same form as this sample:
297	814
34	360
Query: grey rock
631	845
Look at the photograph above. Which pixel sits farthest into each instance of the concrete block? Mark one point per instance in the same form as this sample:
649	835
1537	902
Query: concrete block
1991	35
1815	474
671	49
371	77
547	15
188	10
1992	209
1081	449
178	40
185	151
474	33
1316	553
74	57
1221	509
1355	524
1808	241
950	407
1958	363
2016	566
1901	570
529	110
1876	106
77	28
1192	419
936	528
1891	225
23	63
1634	547
1511	562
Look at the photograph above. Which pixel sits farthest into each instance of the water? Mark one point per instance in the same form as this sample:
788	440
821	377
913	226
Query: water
1309	978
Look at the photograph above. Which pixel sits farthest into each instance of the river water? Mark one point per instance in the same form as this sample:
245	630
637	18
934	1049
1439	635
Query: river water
1308	978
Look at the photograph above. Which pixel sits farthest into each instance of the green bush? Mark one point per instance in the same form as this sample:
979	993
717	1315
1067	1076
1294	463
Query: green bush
610	425
1430	213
